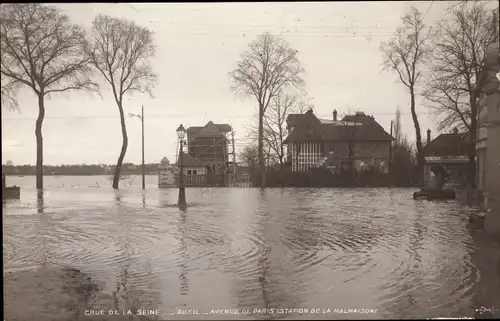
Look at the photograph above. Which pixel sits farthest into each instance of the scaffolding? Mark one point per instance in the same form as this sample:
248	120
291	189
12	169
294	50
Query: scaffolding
217	152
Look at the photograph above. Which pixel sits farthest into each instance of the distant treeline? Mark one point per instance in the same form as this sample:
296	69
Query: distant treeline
61	170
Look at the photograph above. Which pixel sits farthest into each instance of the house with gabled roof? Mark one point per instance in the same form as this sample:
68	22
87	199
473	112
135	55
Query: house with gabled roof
209	143
194	171
445	156
354	142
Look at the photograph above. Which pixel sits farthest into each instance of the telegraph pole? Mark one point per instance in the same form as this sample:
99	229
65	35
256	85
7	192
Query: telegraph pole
141	117
234	155
143	166
390	152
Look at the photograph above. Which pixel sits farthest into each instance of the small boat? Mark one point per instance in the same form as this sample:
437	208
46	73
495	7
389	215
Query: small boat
435	194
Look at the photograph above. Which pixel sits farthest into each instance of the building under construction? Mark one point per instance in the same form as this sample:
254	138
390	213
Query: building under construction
209	144
209	156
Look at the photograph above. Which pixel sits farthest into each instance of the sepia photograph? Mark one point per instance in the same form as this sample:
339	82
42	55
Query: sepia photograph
250	160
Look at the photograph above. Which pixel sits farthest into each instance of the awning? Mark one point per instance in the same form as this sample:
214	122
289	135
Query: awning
462	159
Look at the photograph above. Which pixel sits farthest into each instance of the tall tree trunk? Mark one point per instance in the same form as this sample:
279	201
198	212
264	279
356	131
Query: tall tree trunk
39	142
472	142
420	156
268	157
281	156
116	178
262	167
282	168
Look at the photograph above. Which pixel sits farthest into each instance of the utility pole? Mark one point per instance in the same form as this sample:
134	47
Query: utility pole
143	166
141	117
390	152
234	154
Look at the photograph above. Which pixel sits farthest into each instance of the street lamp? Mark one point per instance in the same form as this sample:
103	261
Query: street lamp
182	191
141	117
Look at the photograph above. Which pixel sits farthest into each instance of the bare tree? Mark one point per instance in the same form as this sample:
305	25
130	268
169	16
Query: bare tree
304	102
275	126
249	155
120	51
402	154
405	54
253	140
8	94
41	50
458	60
268	66
398	131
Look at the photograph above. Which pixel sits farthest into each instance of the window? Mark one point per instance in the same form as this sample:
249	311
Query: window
194	171
189	172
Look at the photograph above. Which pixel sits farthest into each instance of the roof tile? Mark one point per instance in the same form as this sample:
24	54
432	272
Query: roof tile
447	145
359	127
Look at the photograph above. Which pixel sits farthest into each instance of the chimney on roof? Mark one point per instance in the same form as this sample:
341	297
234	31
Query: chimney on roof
428	136
455	130
360	113
335	115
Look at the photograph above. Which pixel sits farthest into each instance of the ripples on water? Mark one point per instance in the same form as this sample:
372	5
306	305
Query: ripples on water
244	248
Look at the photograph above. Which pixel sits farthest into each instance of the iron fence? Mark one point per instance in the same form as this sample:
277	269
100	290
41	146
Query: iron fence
207	180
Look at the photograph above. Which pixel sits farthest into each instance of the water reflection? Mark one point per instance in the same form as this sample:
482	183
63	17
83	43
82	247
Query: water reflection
263	263
416	238
134	285
183	276
278	281
252	248
162	199
124	242
118	196
44	230
39	201
411	281
264	274
43	239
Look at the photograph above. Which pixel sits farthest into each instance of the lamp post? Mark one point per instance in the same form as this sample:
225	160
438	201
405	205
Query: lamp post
141	117
182	191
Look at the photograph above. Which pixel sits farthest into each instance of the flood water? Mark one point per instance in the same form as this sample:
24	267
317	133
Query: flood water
374	250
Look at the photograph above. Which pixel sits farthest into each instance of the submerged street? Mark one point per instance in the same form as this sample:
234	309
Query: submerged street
347	253
255	161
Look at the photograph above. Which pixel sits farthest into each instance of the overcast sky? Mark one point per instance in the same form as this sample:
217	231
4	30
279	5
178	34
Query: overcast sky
197	45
